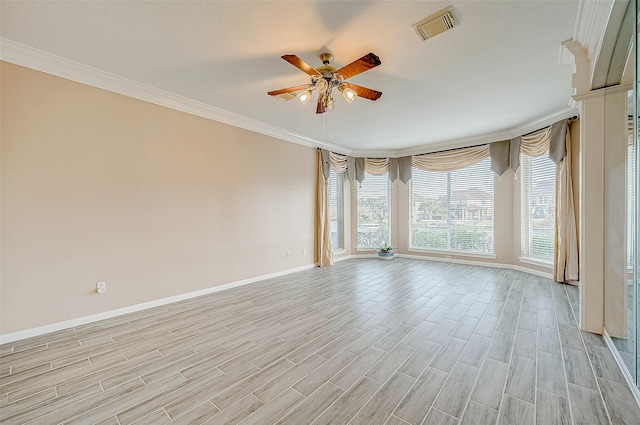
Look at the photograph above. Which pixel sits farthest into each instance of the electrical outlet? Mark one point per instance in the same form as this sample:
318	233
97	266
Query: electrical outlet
289	254
101	287
304	252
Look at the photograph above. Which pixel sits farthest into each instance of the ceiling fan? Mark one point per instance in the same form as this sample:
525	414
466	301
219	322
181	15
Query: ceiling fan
326	79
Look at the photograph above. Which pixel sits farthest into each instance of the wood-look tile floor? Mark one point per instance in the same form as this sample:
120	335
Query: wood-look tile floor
363	342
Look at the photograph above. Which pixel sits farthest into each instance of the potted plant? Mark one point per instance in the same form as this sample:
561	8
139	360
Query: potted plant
385	252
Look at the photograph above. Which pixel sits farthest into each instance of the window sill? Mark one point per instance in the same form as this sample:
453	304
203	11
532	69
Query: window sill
536	262
339	251
449	253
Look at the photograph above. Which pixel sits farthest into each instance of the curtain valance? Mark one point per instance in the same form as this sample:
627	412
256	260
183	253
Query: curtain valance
504	154
451	160
499	152
356	167
376	166
338	162
550	139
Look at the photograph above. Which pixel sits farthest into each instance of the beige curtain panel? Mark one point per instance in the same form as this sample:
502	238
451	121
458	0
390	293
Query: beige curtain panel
566	256
451	160
556	141
323	236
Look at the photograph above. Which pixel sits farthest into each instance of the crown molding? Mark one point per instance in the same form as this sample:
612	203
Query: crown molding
39	60
590	27
477	140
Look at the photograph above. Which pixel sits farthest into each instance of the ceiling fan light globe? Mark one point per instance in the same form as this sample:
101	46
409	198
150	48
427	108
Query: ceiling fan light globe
304	97
329	103
349	95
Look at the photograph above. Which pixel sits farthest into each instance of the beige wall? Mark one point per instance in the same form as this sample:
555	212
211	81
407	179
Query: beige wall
101	187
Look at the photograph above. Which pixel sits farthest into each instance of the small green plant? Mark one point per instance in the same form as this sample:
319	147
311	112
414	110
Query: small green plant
385	248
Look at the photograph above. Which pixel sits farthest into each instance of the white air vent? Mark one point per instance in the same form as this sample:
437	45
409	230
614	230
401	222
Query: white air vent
435	24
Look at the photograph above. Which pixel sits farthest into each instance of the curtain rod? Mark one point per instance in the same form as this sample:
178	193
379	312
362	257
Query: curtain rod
575	117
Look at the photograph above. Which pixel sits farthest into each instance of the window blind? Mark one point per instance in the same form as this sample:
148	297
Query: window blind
538	207
373	211
453	210
336	209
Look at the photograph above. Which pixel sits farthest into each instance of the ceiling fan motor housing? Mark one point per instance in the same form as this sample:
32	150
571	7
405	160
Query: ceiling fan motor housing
326	58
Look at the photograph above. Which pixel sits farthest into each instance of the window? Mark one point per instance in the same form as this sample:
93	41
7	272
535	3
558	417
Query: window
336	210
453	210
538	207
373	211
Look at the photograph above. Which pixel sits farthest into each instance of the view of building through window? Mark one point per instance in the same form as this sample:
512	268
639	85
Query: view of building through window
373	211
453	210
336	210
538	207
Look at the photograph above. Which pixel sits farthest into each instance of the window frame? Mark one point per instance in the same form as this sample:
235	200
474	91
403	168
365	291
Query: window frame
357	211
448	177
526	230
339	220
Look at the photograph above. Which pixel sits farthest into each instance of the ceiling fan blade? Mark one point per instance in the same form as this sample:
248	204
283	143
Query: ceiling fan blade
289	90
364	92
300	64
365	63
320	109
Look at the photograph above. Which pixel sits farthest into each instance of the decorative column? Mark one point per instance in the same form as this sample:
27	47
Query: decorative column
602	142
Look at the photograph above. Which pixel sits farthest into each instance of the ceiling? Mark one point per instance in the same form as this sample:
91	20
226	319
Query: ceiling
496	72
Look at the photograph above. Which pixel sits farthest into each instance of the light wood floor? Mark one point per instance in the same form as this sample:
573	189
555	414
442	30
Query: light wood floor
364	342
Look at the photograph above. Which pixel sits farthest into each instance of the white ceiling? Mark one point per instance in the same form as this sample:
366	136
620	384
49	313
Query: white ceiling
499	70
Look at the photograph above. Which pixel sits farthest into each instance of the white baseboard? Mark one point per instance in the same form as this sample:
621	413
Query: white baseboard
41	330
533	272
478	263
627	375
366	255
342	258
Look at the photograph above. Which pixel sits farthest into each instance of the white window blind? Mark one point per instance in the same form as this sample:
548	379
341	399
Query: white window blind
336	209
538	207
453	210
373	211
